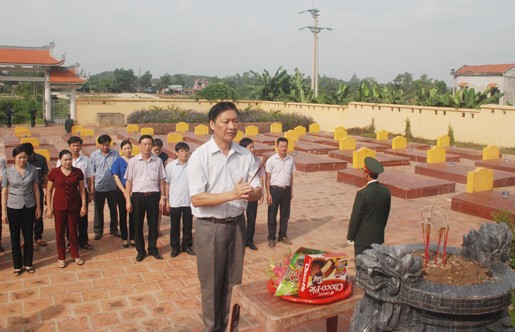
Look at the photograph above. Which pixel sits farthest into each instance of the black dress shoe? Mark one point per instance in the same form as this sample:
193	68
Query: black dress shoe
1	248
140	257
252	246
157	255
190	251
87	246
175	252
98	236
116	234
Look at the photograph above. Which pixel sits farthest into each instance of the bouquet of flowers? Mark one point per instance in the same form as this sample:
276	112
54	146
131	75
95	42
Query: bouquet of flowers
276	270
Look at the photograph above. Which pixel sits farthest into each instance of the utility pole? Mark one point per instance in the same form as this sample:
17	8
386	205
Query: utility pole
315	30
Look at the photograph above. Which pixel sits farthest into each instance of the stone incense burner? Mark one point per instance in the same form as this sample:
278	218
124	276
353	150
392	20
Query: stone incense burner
397	298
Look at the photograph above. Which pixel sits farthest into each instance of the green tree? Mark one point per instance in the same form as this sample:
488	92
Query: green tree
217	92
124	80
105	85
164	81
240	83
178	79
268	87
403	82
145	80
300	88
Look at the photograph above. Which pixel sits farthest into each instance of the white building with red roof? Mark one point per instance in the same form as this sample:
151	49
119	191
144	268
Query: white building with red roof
499	78
45	68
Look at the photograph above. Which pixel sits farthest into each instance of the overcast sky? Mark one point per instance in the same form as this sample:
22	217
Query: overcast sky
371	38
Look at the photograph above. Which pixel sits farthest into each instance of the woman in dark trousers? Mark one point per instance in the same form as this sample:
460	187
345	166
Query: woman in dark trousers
20	208
118	170
68	204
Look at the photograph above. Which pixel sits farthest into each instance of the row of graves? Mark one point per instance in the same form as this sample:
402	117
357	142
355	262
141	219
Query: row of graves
436	169
20	135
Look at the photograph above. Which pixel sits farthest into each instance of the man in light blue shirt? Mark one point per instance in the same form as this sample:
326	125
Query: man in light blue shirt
103	186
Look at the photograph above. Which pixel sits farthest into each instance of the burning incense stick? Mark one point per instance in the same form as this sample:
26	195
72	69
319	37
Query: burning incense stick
440	232
259	168
444	257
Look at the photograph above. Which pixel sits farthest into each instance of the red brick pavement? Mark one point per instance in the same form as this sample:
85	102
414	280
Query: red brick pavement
112	292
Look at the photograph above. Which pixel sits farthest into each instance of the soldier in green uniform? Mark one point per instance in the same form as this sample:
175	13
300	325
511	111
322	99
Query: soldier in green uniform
370	211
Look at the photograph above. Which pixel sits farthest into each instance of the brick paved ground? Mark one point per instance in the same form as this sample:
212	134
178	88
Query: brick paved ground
112	292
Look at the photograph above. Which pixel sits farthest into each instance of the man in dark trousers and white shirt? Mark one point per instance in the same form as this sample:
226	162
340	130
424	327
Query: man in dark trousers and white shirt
219	173
279	185
145	188
370	211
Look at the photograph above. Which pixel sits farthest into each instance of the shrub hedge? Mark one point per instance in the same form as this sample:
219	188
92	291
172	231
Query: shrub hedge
173	114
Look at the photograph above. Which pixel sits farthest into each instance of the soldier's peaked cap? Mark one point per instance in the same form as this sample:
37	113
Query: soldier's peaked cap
373	166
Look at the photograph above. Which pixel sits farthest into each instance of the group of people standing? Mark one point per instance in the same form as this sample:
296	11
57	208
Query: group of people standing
9	115
219	183
132	185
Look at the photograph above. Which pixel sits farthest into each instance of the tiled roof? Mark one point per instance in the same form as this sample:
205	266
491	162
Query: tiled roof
14	55
65	75
495	70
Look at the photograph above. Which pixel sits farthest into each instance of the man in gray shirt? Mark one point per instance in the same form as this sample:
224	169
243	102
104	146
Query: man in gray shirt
103	186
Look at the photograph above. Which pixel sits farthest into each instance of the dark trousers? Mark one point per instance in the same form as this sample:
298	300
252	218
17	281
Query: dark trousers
220	251
21	221
38	225
122	210
359	249
66	219
100	199
281	199
142	203
251	215
175	227
83	237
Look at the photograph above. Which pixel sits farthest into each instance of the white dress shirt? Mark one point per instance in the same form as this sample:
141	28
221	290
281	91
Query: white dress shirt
280	170
177	177
209	170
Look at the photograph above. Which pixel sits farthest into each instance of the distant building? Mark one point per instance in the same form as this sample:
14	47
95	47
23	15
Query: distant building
175	89
499	78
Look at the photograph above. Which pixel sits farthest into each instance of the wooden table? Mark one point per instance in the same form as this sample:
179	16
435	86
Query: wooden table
276	314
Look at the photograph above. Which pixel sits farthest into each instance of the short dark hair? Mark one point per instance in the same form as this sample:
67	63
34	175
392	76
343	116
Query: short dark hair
19	149
125	142
75	139
158	142
145	137
182	146
102	139
220	107
373	176
246	141
28	148
281	139
63	152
